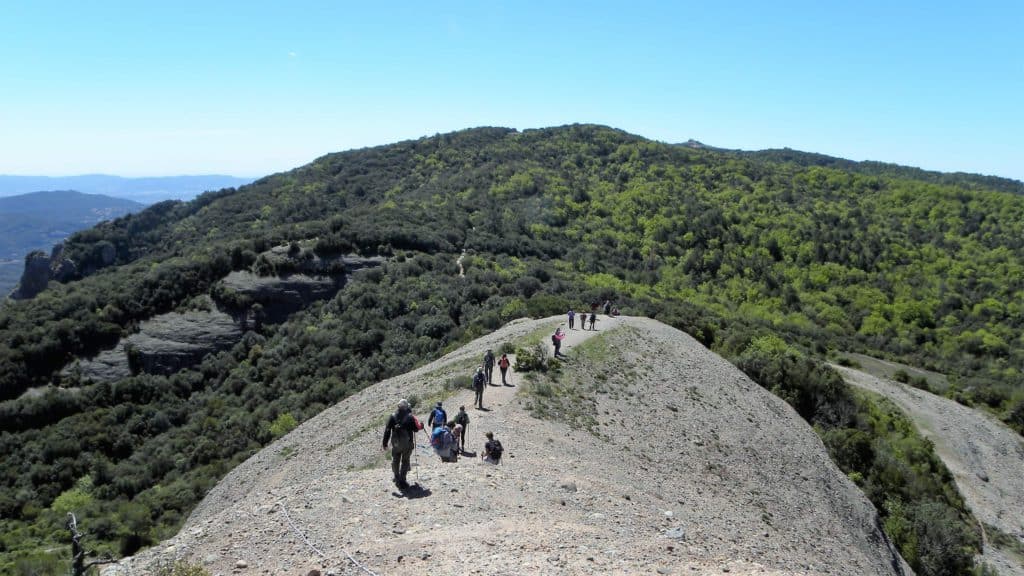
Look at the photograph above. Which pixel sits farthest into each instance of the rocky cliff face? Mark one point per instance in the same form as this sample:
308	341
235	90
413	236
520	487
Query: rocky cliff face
174	341
163	345
170	342
281	296
40	269
661	458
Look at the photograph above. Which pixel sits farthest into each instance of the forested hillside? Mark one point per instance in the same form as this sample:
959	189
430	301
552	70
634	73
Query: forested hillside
769	260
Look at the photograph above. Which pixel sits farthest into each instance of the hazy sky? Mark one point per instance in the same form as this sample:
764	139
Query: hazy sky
249	88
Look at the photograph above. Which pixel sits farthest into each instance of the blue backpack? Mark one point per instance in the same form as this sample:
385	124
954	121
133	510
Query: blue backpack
440	417
442	438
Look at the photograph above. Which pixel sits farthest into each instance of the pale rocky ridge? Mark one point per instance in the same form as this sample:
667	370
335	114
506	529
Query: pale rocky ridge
692	469
985	457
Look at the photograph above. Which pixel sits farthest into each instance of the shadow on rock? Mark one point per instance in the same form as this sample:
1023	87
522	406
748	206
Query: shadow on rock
414	491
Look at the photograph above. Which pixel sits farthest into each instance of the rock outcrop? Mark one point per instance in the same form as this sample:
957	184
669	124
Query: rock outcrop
311	278
677	464
107	366
40	269
35	277
174	341
163	345
281	296
170	342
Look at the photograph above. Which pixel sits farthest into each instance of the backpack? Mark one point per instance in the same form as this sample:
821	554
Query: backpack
462	418
440	417
554	340
405	425
478	380
494	449
442	438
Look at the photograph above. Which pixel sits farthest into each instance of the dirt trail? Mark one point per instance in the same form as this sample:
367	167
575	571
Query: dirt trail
689	468
985	457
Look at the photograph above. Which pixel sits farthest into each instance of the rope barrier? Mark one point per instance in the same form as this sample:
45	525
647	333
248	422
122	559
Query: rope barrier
313	547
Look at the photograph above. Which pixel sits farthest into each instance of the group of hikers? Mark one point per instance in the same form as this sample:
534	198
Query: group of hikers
556	339
608	308
447	437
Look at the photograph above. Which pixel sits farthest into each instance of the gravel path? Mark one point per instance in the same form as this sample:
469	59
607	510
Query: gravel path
985	457
691	469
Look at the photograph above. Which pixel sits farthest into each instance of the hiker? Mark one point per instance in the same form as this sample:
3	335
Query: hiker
401	432
593	320
572	316
489	366
556	339
607	307
443	442
461	422
438	417
583	320
615	311
457	435
503	366
478	387
492	450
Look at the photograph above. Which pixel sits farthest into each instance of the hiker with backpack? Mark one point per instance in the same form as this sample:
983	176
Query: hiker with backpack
583	320
489	366
400	431
572	316
556	340
503	364
478	387
492	450
593	320
443	442
438	417
462	422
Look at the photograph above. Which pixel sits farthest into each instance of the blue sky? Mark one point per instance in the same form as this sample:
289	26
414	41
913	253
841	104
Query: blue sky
250	88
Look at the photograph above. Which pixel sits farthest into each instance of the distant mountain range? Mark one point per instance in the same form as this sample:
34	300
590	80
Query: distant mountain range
146	190
39	220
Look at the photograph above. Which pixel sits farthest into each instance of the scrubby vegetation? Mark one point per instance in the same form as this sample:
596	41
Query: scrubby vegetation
823	254
879	448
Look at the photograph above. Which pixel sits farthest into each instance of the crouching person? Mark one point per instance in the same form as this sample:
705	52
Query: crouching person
492	450
444	444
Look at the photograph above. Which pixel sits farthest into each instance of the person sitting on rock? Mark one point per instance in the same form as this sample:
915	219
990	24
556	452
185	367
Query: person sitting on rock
492	450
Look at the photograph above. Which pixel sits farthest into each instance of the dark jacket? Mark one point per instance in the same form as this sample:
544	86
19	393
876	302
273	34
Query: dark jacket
402	425
493	450
489	360
478	380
